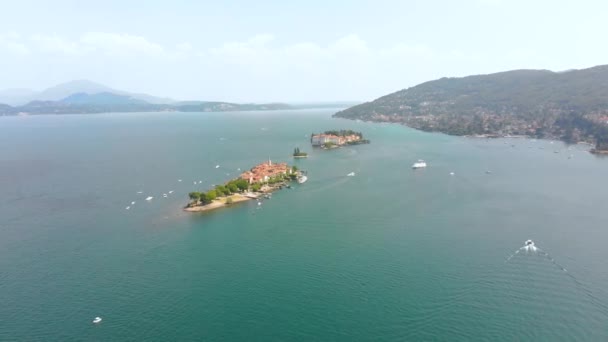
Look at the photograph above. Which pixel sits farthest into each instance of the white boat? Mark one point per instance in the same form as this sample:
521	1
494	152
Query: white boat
149	198
132	202
302	179
217	166
97	320
352	174
128	208
179	180
451	173
164	195
420	164
140	192
170	191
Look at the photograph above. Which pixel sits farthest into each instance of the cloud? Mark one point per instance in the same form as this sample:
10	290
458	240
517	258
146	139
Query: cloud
10	42
119	44
109	44
55	44
254	69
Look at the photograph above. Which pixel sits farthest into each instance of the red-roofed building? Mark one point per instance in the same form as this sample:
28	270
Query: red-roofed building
263	172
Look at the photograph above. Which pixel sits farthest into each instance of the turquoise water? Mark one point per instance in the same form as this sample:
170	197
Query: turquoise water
391	254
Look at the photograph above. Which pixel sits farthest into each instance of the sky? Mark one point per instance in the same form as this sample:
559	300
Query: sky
290	51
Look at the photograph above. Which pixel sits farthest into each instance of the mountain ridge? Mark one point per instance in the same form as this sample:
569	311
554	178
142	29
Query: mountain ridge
20	97
571	106
104	102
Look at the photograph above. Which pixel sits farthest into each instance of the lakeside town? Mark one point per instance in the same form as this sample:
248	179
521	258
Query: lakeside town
334	139
254	184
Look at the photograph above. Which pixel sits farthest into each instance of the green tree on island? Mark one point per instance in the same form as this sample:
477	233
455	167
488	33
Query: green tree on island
233	188
209	196
195	195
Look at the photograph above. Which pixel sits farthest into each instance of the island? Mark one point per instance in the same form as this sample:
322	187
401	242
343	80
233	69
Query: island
299	154
334	139
571	106
256	183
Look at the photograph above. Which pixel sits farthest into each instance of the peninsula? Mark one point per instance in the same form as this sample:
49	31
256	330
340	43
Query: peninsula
571	106
253	184
334	139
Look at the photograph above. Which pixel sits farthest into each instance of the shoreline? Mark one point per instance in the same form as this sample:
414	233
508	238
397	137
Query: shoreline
600	152
236	198
221	202
475	136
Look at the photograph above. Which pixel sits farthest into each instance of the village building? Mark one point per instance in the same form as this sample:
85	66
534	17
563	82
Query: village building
321	139
263	172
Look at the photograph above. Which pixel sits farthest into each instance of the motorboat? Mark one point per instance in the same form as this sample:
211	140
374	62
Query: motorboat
420	164
97	320
302	179
149	198
352	174
529	243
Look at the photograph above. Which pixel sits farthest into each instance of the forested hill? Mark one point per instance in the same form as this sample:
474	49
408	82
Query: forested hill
571	105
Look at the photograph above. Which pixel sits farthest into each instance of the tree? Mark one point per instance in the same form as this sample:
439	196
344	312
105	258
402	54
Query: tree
242	184
209	196
233	188
294	169
256	187
222	190
195	195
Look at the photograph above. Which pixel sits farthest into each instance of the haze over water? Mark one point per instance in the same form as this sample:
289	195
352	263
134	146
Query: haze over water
390	254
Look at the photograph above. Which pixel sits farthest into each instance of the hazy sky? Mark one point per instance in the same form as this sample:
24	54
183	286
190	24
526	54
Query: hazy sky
290	50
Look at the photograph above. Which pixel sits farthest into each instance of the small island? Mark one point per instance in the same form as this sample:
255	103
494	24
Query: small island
299	154
334	139
253	184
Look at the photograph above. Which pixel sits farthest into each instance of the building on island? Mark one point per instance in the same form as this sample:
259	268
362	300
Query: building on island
321	139
263	172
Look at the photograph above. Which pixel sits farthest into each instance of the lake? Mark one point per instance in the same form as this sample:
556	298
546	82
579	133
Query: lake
391	254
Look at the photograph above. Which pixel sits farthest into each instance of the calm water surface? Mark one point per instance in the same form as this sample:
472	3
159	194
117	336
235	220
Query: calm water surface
388	255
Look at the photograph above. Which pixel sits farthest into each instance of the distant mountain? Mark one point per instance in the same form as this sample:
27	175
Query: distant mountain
571	105
17	97
6	110
102	99
105	102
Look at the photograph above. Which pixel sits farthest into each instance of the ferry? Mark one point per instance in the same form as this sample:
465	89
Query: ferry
420	164
302	179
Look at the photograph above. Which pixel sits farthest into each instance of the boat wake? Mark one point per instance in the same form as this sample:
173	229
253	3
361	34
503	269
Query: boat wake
530	247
